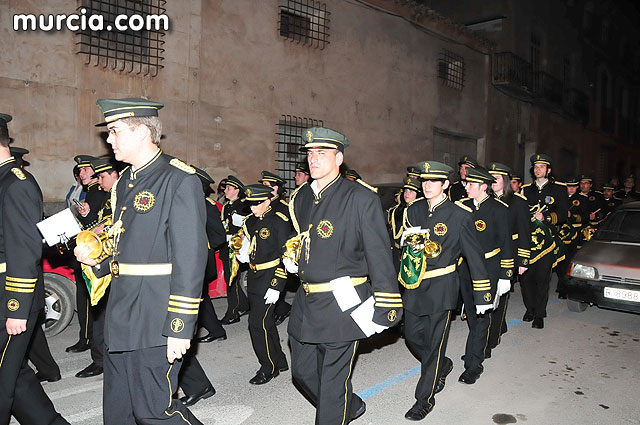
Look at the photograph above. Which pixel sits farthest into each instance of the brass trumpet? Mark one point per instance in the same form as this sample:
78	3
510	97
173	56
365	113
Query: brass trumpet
432	249
100	243
236	241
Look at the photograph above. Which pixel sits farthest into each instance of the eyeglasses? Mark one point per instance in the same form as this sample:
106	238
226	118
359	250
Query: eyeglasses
113	131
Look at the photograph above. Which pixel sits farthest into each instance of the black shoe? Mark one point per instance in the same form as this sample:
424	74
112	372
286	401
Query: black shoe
211	338
42	377
418	412
230	320
243	312
190	400
487	353
283	368
361	409
280	318
446	370
470	376
78	347
527	317
538	323
92	370
263	378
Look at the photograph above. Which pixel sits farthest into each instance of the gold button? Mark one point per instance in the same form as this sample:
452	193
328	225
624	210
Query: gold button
123	208
130	185
316	202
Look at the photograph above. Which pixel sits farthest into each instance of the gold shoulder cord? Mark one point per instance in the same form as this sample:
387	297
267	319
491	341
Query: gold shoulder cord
115	230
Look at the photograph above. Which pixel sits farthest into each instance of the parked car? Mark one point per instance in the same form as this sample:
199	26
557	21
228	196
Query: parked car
606	271
59	292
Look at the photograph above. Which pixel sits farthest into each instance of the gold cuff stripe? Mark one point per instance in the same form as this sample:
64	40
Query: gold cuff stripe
185	305
21	285
480	281
493	253
387	294
22	280
24	291
182	311
482	288
183	298
387	300
391	305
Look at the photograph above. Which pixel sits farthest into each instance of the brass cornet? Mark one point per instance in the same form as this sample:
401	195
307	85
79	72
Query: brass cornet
236	241
432	249
100	243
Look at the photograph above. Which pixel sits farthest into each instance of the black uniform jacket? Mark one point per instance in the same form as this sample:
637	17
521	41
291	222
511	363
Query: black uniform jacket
163	217
553	195
457	191
348	237
22	290
240	207
451	225
594	202
519	223
267	235
489	219
577	206
96	198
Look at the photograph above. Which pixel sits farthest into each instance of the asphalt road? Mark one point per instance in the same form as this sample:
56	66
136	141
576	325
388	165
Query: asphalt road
582	368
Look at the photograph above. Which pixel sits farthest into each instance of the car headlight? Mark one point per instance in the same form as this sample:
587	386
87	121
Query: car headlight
583	272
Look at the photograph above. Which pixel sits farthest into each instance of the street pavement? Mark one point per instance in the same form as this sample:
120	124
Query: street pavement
582	368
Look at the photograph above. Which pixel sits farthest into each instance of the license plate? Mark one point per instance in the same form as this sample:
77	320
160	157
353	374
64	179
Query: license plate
622	294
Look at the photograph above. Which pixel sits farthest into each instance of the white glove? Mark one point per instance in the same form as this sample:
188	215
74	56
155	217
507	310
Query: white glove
237	219
504	286
290	265
482	309
243	254
271	296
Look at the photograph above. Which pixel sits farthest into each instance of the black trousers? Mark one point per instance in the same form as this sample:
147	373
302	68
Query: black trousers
192	377
427	337
264	335
21	394
98	313
85	318
207	316
477	339
237	301
138	389
498	322
323	371
535	286
39	352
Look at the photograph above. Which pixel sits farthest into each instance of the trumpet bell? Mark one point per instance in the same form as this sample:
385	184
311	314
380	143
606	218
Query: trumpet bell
432	249
99	243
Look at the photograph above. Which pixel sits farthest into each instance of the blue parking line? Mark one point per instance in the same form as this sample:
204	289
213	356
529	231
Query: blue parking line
395	380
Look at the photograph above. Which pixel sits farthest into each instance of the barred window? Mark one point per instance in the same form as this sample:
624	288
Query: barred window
305	22
289	132
451	69
129	51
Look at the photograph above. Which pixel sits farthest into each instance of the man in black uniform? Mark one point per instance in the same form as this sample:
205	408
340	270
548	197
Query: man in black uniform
628	192
156	269
267	229
432	293
21	291
516	183
456	190
302	173
594	200
489	216
282	308
549	202
233	213
411	190
610	200
88	216
344	259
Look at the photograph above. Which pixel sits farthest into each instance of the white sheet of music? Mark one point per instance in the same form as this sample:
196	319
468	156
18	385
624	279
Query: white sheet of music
59	227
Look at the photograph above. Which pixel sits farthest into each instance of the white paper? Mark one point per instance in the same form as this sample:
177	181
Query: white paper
345	293
363	316
237	219
59	227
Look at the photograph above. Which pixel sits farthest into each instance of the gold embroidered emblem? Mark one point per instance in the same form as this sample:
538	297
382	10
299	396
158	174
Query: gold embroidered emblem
274	282
576	203
509	273
177	325
427	166
487	297
493	166
13	305
309	136
19	174
392	316
144	201
264	233
440	229
325	229
480	225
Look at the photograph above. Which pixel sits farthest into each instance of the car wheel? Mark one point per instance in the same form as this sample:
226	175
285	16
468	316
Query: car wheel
59	303
576	306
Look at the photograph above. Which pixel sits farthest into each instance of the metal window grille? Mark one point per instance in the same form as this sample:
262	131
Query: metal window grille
129	51
305	22
451	69
289	132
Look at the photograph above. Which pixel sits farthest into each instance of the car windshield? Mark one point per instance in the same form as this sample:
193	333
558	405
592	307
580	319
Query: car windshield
623	225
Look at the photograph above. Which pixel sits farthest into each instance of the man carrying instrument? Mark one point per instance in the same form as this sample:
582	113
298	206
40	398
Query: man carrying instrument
156	269
438	233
